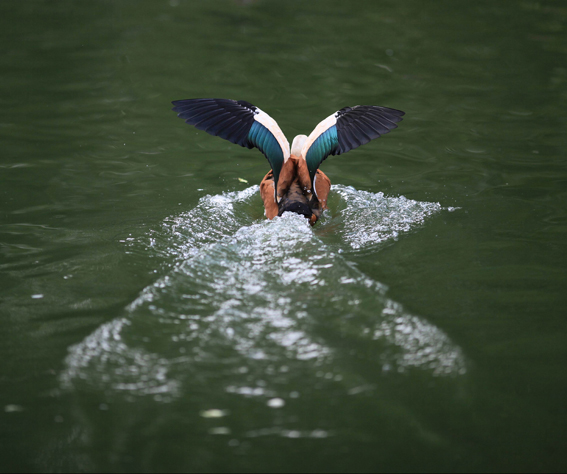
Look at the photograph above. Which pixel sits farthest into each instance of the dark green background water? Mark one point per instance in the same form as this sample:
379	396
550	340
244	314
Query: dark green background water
132	304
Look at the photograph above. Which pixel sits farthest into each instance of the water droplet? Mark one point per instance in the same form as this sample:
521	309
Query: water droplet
276	403
213	413
220	430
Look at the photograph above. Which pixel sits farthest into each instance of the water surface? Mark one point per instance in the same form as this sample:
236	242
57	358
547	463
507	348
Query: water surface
152	319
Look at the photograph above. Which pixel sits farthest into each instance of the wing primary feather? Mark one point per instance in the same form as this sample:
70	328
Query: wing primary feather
367	128
213	122
352	127
377	125
239	122
226	129
361	135
346	139
188	107
386	124
186	112
194	118
236	133
191	102
384	118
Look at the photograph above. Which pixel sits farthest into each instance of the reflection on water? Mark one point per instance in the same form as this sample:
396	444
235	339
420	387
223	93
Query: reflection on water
253	302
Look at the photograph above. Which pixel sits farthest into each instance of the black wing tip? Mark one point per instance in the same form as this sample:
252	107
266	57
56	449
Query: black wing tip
184	105
397	113
393	115
245	103
386	110
360	124
179	104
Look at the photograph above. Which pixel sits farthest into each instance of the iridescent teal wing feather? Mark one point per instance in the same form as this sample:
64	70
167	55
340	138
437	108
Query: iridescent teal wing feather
347	129
239	122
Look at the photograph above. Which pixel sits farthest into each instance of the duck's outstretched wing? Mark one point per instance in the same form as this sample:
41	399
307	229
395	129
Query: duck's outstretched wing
345	130
239	122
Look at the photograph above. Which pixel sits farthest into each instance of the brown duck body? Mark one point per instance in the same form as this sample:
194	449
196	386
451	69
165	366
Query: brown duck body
294	191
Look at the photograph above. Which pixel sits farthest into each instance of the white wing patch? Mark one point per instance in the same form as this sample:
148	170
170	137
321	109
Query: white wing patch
319	129
268	122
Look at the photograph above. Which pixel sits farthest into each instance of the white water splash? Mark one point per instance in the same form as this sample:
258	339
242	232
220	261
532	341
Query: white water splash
368	219
245	299
214	218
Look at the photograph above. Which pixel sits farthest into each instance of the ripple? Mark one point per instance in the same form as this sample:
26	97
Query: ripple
214	217
246	299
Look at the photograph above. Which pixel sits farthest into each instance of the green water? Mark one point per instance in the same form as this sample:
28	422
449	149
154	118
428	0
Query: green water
152	320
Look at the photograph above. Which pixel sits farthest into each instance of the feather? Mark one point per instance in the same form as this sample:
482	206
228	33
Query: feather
239	122
346	130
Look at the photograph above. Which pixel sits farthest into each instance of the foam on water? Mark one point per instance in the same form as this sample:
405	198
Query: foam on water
249	305
368	219
212	219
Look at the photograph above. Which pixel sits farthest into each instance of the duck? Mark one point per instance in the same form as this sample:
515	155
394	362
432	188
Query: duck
295	183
